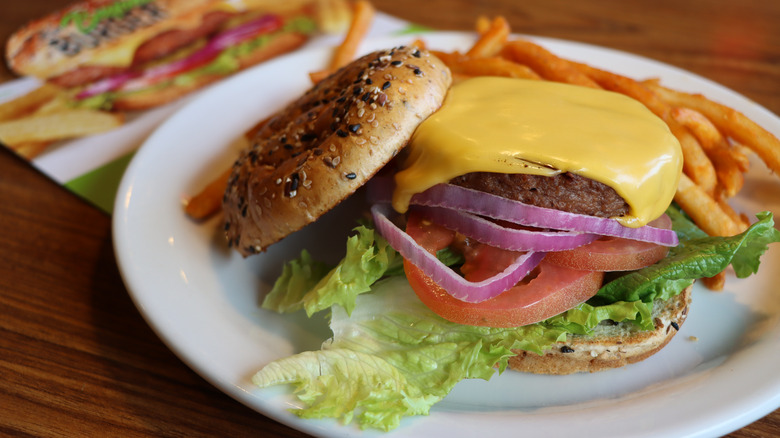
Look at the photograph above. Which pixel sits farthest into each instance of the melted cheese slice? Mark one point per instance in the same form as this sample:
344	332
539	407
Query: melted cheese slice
503	125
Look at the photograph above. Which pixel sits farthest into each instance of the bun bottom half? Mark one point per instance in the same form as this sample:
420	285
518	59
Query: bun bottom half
612	345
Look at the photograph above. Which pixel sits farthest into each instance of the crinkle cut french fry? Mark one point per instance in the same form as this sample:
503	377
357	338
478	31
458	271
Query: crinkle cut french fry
729	121
482	25
317	76
252	132
728	168
209	200
545	63
716	282
704	210
696	164
492	66
741	221
362	17
491	41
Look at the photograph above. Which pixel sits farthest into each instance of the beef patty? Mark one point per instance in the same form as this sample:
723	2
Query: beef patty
566	191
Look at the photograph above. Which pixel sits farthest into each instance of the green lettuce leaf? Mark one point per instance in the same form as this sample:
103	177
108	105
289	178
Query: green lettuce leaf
697	256
368	258
298	277
393	357
306	283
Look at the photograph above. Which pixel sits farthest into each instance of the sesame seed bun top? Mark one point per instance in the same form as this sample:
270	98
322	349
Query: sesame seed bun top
321	148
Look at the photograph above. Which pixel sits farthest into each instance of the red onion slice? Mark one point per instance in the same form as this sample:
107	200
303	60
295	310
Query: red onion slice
493	234
137	80
496	207
449	280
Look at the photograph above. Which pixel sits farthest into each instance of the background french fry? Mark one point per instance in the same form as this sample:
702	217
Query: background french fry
26	104
492	40
704	210
57	126
545	63
492	66
32	149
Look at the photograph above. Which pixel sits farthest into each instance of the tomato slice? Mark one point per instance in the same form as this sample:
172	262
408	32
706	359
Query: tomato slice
609	254
613	253
546	292
553	290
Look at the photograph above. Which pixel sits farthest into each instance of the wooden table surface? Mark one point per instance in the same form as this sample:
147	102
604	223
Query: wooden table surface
76	357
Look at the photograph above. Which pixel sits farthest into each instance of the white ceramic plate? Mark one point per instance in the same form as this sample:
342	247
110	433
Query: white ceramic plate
202	299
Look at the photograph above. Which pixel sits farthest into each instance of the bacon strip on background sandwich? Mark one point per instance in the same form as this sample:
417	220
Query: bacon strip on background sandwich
137	54
549	202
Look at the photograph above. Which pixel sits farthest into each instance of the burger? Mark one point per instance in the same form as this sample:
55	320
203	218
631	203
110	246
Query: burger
514	223
137	54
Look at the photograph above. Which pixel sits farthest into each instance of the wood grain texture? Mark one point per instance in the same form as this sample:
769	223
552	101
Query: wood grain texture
76	357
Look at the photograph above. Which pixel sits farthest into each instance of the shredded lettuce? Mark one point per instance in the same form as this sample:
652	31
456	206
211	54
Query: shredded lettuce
390	356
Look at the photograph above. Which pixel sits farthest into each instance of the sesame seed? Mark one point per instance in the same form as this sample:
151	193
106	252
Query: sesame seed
354	128
418	72
351	175
342	133
675	325
416	54
396	63
336	161
386	85
567	349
